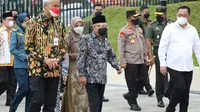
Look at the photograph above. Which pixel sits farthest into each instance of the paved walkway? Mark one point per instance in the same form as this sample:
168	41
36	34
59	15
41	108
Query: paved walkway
116	87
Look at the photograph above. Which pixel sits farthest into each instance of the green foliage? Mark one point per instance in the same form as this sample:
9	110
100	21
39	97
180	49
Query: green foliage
116	19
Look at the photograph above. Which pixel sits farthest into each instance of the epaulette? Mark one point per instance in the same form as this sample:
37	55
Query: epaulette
152	22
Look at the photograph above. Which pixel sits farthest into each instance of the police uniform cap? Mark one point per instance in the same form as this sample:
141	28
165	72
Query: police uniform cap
7	14
132	13
160	10
99	19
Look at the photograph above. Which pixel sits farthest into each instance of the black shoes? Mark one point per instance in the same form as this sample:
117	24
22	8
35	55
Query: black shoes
135	107
105	99
150	92
161	104
7	104
127	97
143	92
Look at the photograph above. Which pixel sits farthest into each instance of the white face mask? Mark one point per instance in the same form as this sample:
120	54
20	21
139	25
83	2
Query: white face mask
79	30
181	20
10	24
24	24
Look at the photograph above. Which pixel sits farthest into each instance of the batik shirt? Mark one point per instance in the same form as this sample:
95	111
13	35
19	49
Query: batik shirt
44	38
93	55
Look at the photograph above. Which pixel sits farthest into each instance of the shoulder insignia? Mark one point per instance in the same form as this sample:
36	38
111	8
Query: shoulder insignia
122	34
152	22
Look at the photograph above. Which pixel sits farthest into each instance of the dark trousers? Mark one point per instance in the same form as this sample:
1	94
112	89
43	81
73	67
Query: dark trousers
168	89
95	96
147	84
161	81
134	74
8	83
23	90
181	88
43	93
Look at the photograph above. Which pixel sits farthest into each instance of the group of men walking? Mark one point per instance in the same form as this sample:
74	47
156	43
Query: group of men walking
142	42
39	47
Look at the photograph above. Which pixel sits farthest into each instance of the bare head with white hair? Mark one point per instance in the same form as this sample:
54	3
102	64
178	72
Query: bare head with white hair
51	8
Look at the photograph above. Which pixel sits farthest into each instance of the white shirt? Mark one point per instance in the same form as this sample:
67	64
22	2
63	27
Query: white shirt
4	47
177	45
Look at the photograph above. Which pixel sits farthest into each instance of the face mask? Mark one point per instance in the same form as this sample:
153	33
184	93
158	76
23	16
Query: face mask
10	24
136	21
79	30
159	19
24	24
146	15
15	17
102	32
54	11
98	14
182	20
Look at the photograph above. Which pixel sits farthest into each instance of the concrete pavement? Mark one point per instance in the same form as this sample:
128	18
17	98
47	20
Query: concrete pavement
116	87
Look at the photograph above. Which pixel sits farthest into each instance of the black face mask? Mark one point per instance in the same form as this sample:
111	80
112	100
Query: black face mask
98	14
136	21
159	19
102	32
15	17
146	15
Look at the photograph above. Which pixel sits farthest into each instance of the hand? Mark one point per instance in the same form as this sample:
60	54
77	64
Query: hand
119	70
64	80
151	61
83	80
163	70
123	66
48	62
27	57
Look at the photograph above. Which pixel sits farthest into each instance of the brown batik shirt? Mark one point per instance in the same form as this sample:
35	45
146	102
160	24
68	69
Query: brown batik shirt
44	38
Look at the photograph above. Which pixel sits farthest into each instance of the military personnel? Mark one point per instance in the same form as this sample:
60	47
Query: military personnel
144	22
44	42
154	32
98	9
7	75
94	52
133	57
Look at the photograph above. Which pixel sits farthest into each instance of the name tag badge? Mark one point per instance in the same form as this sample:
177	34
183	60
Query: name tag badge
55	41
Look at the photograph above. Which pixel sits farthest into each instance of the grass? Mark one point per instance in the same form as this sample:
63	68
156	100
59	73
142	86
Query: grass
116	19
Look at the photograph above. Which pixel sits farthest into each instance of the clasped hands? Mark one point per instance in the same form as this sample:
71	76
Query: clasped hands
51	62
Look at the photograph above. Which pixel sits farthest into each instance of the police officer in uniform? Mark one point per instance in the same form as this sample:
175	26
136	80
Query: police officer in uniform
154	32
133	57
143	24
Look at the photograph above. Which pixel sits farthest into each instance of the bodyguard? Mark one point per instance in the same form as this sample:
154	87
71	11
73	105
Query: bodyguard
153	34
133	56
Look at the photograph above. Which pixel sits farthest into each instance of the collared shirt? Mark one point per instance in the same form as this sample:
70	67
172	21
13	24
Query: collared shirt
154	31
144	24
92	58
177	45
6	59
44	38
131	45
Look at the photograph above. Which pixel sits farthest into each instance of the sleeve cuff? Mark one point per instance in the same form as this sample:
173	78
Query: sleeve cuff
64	72
163	64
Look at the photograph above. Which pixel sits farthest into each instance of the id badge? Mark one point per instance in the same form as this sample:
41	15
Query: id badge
55	41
